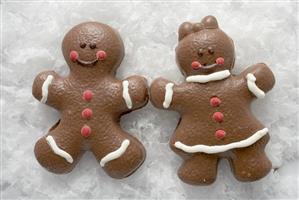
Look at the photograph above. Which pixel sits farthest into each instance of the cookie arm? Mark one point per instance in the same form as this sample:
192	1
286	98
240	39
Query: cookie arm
135	92
259	79
165	94
47	87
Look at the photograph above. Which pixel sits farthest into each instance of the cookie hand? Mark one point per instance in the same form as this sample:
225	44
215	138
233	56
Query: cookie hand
46	87
162	93
135	92
259	79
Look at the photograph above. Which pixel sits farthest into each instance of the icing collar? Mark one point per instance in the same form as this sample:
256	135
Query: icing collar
216	76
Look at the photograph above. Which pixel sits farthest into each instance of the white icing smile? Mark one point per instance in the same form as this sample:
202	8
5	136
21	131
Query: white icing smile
209	66
83	62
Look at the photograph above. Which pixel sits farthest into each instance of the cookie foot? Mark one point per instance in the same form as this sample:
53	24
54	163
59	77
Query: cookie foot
50	154
251	163
124	160
200	169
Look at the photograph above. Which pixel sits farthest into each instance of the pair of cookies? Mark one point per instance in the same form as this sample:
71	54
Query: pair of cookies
215	123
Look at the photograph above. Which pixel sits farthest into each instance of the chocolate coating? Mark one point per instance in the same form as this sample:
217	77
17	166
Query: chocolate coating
197	125
104	98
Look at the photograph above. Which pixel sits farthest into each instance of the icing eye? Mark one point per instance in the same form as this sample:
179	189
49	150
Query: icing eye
200	52
83	45
92	45
211	51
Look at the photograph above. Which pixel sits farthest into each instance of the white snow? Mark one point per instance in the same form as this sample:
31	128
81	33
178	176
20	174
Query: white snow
32	33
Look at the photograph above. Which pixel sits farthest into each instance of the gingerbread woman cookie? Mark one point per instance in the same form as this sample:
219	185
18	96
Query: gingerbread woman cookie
216	121
91	101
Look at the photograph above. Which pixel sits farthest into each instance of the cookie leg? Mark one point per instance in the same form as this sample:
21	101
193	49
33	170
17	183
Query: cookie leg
59	151
200	169
120	155
251	163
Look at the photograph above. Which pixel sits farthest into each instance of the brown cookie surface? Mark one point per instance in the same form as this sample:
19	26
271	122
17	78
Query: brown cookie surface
216	121
91	101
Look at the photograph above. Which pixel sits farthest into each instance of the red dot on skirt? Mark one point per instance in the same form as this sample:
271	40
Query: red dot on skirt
219	134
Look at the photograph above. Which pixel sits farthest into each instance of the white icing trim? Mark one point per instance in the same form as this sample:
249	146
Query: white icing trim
222	148
57	150
216	76
115	154
168	95
126	95
45	88
253	87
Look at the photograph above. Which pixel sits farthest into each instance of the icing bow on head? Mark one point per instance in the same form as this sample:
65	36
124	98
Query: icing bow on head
209	22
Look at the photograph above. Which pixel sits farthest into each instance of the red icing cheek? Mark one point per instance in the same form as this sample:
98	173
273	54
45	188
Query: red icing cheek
74	56
220	61
195	65
101	55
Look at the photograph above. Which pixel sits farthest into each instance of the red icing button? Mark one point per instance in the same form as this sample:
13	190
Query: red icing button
215	101
87	113
85	131
219	134
87	95
218	116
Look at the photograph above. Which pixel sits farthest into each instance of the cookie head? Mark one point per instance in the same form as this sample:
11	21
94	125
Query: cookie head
204	48
93	46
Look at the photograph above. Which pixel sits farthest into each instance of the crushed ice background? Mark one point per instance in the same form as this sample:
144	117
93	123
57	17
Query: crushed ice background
32	34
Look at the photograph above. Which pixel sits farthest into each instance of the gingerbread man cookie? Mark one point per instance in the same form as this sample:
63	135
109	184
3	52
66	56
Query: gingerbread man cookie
91	101
216	121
